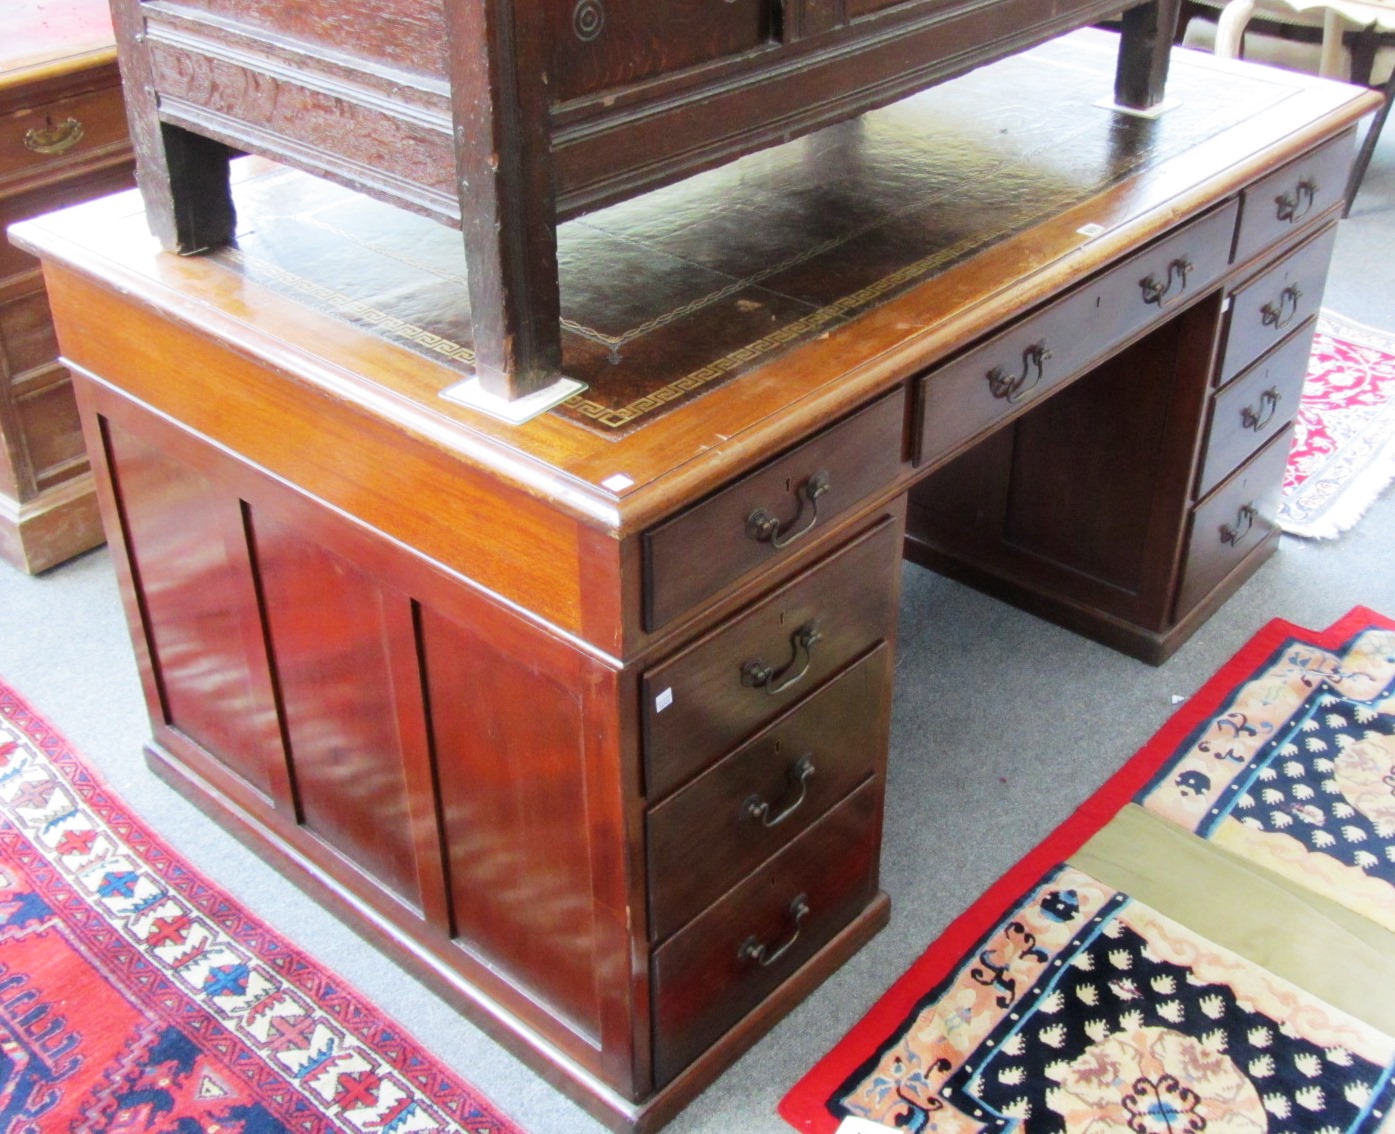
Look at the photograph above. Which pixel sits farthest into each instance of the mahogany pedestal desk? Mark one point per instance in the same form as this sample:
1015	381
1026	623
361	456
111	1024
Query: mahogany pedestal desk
586	720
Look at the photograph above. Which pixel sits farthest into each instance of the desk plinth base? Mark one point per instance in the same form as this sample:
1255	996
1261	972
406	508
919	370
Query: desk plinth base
601	1102
53	527
1151	646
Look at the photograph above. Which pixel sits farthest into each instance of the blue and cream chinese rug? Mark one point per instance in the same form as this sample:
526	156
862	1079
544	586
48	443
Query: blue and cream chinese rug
1207	945
136	996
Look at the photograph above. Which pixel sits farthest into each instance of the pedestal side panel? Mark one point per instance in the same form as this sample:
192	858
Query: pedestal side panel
200	609
509	733
460	780
329	629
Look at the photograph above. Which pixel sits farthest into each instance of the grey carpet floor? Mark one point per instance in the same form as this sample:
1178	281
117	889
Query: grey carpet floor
1002	725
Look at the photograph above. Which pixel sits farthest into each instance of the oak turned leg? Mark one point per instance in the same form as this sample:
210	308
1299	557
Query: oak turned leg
1145	45
498	68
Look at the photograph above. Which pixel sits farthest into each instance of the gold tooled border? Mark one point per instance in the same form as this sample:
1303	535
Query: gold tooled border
607	417
791	332
375	316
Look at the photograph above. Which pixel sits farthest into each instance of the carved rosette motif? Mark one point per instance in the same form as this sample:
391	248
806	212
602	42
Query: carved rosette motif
588	17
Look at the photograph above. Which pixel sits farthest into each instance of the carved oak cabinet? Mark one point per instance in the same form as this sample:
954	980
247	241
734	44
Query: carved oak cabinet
504	118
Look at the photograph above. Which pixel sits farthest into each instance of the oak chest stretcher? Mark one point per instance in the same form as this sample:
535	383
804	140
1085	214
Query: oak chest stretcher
586	719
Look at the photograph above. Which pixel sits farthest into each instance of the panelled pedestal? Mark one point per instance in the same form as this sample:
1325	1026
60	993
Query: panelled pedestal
62	140
1193	356
639	895
795	811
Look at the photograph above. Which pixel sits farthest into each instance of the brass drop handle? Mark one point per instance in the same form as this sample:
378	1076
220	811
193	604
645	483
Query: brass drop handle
52	140
1244	521
752	950
1257	419
755	674
1279	315
1001	384
1155	291
1293	207
798	775
763	527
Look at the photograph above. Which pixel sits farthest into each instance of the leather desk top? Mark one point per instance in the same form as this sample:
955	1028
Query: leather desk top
720	319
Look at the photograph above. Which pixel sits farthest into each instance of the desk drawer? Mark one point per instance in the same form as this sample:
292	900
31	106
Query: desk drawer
692	556
729	820
1269	307
1292	196
1255	406
46	138
739	951
967	397
1233	521
706	699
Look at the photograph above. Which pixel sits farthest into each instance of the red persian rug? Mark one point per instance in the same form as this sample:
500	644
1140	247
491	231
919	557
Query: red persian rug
137	996
1344	440
1208	944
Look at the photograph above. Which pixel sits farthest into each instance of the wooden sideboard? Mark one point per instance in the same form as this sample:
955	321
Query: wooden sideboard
503	120
62	139
586	719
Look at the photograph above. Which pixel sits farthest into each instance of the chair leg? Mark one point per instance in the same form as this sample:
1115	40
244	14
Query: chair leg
1230	29
1368	144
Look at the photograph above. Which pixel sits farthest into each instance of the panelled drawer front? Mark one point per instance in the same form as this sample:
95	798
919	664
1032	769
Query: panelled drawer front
724	824
1269	307
703	701
780	505
1233	521
601	46
50	135
727	961
1292	196
1255	406
965	398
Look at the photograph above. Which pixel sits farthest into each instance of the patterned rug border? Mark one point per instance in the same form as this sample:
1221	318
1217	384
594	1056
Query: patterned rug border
802	1105
1308	510
462	1107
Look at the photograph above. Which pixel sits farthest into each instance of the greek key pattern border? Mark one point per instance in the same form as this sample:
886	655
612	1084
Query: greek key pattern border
339	303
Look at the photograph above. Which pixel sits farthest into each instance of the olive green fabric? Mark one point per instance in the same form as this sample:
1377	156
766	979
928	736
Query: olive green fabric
1321	946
